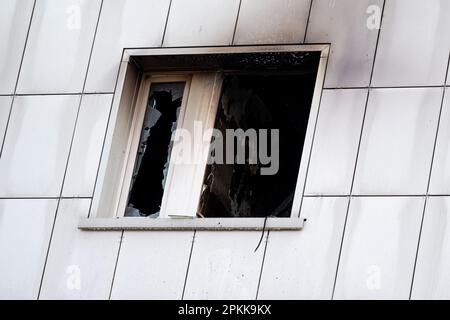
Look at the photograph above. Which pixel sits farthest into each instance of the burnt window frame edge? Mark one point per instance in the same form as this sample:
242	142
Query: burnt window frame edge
96	222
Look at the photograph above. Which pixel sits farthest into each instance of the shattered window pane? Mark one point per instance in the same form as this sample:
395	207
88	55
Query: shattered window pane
266	116
152	161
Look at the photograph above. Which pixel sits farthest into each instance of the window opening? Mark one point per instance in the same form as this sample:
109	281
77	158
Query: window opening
267	115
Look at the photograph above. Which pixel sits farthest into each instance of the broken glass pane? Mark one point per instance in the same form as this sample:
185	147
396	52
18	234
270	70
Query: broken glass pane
153	156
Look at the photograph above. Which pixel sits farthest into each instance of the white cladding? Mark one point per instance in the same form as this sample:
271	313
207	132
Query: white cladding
375	168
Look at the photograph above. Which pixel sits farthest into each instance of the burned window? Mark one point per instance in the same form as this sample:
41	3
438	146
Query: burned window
152	160
210	132
257	145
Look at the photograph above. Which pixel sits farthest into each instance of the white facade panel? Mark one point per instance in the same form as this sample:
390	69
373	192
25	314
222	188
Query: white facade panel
448	71
224	265
432	277
59	45
152	265
5	107
87	146
284	21
25	228
382	233
80	264
414	43
353	37
336	141
123	24
379	248
201	23
397	141
15	18
302	264
37	145
440	174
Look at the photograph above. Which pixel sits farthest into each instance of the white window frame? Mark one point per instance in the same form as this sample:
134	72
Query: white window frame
136	94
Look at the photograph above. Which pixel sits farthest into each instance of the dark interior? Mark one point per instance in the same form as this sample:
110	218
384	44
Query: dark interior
263	101
272	91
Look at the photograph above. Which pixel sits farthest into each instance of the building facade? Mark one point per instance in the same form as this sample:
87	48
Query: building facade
377	190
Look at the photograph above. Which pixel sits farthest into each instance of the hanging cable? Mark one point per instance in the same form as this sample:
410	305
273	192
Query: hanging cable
262	234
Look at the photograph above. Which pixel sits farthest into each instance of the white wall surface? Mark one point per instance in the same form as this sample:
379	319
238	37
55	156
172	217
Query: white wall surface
14	21
379	248
397	141
302	265
123	24
37	144
152	266
432	278
353	44
376	136
284	21
440	175
224	266
25	230
5	107
336	142
87	145
61	33
201	23
80	265
415	51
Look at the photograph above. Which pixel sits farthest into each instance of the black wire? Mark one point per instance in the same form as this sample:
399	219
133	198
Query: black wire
262	234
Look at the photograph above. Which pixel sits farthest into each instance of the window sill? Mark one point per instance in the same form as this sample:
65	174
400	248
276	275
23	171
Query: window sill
207	224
